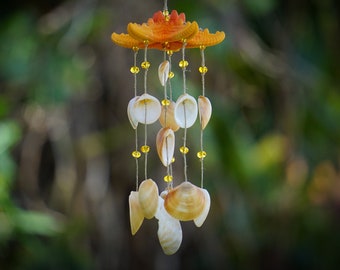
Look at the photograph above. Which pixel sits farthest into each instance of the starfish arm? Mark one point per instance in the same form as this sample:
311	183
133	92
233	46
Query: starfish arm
126	41
206	39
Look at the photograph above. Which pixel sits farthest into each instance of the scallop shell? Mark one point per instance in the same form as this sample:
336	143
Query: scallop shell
146	109
132	118
163	72
165	142
169	230
185	111
201	218
167	118
185	202
205	110
136	213
148	198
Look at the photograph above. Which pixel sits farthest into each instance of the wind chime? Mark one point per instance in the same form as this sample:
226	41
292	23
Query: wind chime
169	33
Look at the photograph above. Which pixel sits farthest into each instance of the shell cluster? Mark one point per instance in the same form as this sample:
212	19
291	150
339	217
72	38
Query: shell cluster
185	202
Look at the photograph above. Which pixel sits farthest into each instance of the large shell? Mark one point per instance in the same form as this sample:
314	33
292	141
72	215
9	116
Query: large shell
185	111
205	110
132	118
169	230
146	109
136	213
185	202
165	142
163	72
201	218
167	118
148	198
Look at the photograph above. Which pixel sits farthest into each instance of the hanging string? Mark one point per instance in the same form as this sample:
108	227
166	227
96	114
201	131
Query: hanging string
201	154
145	148
136	154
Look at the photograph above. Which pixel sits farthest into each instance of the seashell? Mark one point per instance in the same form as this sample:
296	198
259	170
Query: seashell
169	230
146	109
167	118
185	111
165	142
201	218
136	213
204	109
132	118
148	198
185	202
163	72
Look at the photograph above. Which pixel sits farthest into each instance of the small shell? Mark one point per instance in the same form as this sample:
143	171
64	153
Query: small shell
132	118
169	230
136	213
201	218
146	109
165	142
167	118
163	72
148	198
185	111
185	202
204	109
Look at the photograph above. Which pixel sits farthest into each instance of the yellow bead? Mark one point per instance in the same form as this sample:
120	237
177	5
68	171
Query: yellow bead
169	52
168	178
136	154
171	74
201	154
203	69
183	63
145	149
134	70
184	149
166	102
202	47
173	160
145	64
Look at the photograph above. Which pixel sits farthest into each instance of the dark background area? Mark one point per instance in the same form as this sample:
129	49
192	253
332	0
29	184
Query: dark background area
273	142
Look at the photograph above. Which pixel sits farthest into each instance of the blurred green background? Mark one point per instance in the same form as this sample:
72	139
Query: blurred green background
273	144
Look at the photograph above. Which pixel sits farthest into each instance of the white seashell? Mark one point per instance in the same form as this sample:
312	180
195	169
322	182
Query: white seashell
165	142
201	218
146	109
185	111
167	118
163	72
148	198
169	230
136	213
185	202
205	110
132	118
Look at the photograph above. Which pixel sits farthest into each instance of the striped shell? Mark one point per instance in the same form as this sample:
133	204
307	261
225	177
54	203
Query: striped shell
163	72
165	142
185	111
136	213
167	118
148	198
169	230
185	202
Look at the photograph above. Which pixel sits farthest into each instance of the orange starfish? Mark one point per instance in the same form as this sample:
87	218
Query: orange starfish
166	32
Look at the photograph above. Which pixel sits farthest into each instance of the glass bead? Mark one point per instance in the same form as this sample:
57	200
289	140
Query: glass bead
202	47
183	63
201	154
136	154
145	64
166	102
168	178
171	74
173	160
145	149
203	69
134	69
169	52
184	149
